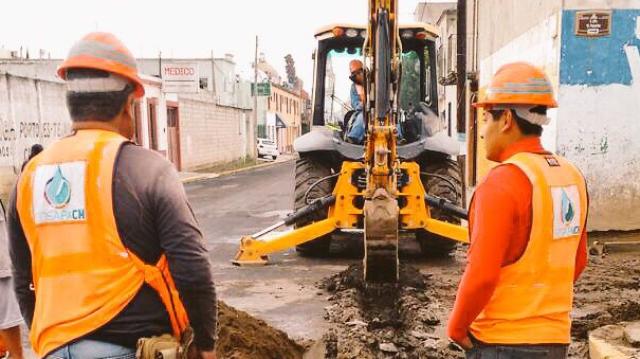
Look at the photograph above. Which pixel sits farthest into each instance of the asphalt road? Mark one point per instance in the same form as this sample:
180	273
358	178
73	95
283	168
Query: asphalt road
284	294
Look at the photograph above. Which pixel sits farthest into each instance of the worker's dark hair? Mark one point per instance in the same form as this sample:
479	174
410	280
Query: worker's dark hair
95	106
527	128
35	150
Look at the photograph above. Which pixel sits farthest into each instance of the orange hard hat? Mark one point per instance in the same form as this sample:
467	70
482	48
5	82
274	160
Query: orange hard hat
103	51
355	65
519	83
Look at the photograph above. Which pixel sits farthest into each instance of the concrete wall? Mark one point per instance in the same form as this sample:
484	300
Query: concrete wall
538	44
31	111
222	131
501	21
599	121
597	83
37	69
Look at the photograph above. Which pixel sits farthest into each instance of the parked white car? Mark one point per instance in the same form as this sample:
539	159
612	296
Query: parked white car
267	148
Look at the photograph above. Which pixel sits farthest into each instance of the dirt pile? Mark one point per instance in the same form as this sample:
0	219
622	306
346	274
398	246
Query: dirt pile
242	336
386	321
608	292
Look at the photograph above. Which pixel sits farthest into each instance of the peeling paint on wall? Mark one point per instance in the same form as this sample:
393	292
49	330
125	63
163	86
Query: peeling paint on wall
601	60
599	126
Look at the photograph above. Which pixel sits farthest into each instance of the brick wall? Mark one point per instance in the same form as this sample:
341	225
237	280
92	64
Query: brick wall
210	133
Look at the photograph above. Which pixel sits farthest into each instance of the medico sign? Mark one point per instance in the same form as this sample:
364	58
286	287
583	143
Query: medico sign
180	77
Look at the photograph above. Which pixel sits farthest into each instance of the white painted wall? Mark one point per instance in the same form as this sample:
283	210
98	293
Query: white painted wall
31	111
603	141
597	125
599	118
539	46
153	91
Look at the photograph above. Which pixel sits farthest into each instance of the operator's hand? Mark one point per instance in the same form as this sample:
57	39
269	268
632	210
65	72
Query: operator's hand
208	355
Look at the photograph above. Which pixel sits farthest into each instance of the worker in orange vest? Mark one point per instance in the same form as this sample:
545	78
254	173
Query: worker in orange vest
101	229
527	230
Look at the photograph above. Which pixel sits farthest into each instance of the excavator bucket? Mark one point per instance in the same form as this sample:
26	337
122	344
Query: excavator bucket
381	238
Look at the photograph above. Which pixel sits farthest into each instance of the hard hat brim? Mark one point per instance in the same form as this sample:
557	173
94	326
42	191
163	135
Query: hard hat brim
90	62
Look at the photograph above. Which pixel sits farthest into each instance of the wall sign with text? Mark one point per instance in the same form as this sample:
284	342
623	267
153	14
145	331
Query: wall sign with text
593	23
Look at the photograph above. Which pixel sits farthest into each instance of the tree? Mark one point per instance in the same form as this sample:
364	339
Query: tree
291	70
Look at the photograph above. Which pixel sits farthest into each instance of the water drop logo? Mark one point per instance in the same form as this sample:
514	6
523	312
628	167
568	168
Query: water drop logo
57	190
567	208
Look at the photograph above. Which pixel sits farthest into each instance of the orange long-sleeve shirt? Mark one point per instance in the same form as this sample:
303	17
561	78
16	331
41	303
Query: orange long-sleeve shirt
499	227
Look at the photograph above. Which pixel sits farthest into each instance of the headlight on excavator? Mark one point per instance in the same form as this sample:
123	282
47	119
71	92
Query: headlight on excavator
406	34
351	32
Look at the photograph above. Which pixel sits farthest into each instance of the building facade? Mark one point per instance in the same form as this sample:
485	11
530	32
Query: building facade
589	50
443	16
284	117
214	75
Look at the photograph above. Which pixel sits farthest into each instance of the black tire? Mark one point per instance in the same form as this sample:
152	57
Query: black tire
309	170
446	184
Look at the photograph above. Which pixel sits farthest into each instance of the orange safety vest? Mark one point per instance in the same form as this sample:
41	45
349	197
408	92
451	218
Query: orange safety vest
534	295
82	273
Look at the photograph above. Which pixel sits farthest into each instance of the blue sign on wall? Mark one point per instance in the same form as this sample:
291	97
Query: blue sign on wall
600	60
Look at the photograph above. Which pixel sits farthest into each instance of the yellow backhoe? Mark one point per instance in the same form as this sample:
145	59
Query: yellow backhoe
389	184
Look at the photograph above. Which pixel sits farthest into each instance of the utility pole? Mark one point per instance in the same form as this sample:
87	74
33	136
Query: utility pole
461	90
213	77
254	125
461	67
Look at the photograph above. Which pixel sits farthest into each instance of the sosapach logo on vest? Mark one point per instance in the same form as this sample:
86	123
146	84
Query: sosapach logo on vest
566	211
59	193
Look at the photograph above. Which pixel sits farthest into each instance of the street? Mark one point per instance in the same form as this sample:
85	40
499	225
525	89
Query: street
228	208
286	295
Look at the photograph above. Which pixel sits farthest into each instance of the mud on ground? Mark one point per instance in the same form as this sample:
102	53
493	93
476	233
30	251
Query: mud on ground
608	292
385	320
408	321
242	336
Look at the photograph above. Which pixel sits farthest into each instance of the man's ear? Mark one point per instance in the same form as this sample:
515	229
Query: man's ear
507	122
128	108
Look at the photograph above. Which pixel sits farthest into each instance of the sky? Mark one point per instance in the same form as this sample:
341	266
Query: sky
186	28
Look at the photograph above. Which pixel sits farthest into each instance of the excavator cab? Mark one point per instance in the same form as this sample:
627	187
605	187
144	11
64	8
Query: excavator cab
423	140
401	181
339	44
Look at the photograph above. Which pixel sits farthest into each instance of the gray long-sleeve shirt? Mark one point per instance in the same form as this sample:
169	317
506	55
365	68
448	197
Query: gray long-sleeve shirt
5	262
153	217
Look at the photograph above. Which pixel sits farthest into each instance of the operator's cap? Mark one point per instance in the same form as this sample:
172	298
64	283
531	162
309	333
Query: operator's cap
355	65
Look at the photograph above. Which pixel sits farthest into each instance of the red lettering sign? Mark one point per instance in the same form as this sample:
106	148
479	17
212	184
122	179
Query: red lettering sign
179	71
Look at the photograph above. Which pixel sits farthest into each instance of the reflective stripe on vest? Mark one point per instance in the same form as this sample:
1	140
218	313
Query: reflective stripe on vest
82	273
534	295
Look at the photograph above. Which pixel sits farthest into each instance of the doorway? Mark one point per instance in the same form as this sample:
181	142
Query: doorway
152	114
173	134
